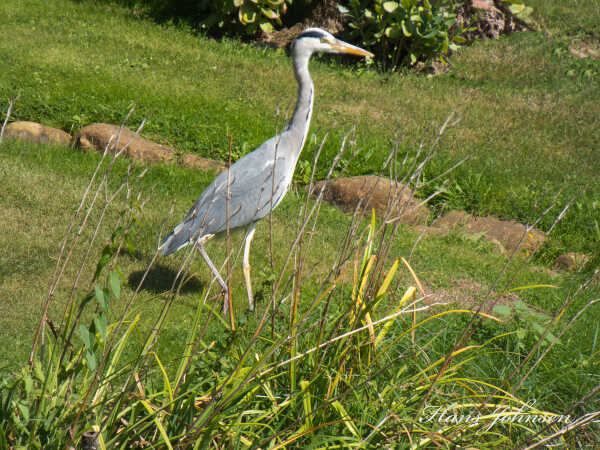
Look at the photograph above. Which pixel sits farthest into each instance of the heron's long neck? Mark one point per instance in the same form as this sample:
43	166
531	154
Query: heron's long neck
302	114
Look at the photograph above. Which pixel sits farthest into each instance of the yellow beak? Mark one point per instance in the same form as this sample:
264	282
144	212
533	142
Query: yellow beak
344	47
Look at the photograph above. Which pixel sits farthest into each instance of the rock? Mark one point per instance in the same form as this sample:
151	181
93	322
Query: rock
35	132
98	135
375	192
486	19
571	261
584	48
197	162
506	232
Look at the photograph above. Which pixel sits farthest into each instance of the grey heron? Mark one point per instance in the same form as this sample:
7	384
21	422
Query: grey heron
258	181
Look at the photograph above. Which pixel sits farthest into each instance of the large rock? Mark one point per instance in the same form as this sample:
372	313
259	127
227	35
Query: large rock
198	162
97	136
486	19
35	132
506	232
585	48
375	192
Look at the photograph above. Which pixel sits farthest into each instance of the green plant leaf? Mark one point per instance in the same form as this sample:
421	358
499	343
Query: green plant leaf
532	286
24	410
405	30
390	7
346	418
388	279
158	423
90	357
3	441
306	404
502	310
28	382
100	297
115	284
85	335
247	14
107	254
269	13
100	322
266	27
520	306
38	372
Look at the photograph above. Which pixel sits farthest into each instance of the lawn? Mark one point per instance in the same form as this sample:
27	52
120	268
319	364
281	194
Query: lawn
530	118
530	108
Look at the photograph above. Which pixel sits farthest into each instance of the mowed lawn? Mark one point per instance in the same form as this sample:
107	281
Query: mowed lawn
530	108
43	188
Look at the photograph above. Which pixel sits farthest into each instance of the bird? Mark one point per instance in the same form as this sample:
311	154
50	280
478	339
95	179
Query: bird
257	182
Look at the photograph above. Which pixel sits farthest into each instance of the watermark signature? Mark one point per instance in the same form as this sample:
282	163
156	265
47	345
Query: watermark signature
491	415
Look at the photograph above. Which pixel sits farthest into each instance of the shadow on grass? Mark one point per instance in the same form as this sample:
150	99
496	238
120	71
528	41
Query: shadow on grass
160	279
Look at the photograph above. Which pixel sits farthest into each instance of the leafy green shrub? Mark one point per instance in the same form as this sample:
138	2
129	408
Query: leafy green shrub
520	10
403	32
239	17
245	17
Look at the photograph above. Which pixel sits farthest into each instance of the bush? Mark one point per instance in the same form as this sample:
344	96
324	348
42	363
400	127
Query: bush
403	32
237	17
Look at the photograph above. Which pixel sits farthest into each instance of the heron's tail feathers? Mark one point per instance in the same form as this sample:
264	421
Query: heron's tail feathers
179	238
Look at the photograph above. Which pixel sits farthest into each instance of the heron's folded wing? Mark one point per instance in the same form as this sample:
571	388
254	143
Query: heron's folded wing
254	191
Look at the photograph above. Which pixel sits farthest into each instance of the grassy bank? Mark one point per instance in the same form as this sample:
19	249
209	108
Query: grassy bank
530	118
452	267
530	108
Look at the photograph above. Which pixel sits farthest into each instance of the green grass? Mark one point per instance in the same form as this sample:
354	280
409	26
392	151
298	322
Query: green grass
39	220
530	108
530	118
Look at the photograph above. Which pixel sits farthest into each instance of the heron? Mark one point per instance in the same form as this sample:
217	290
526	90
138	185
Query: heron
257	182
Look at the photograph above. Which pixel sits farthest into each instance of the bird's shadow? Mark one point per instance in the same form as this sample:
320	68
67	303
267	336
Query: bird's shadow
160	279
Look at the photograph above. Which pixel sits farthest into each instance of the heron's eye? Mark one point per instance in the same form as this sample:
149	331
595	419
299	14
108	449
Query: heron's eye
324	40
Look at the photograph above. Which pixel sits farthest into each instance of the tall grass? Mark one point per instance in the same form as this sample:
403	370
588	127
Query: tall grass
358	359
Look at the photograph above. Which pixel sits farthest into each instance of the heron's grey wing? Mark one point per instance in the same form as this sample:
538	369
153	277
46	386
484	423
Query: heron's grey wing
257	183
254	190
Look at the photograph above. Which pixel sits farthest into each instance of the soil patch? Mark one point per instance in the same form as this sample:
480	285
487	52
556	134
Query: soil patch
469	294
508	234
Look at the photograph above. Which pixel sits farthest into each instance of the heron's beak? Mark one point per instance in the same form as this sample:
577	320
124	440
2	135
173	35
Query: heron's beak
343	47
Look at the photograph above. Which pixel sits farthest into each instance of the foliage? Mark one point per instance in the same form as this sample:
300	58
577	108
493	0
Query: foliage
339	382
236	17
528	321
379	397
403	32
348	364
520	9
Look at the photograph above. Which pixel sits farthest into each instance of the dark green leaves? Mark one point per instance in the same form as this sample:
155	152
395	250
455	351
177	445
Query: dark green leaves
403	32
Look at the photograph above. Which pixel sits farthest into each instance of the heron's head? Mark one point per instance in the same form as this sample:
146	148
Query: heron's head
316	40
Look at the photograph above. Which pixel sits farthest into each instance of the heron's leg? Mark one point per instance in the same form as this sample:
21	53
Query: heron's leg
246	265
200	247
